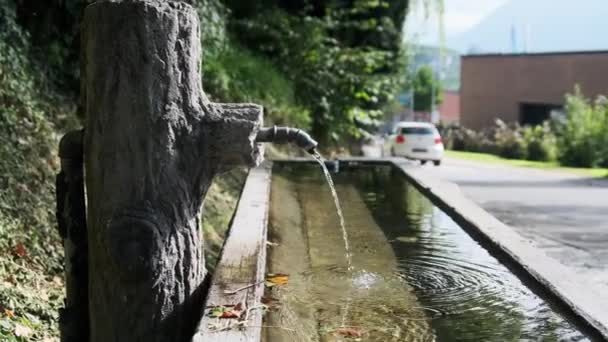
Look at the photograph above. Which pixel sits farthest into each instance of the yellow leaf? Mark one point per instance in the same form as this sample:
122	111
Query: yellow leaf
9	313
276	279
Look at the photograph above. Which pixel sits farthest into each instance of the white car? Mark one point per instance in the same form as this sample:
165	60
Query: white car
415	140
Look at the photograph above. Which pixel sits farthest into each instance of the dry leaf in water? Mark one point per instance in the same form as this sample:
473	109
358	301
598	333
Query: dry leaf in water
216	311
349	332
227	311
270	302
274	279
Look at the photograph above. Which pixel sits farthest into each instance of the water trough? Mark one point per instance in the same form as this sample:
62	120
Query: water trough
244	263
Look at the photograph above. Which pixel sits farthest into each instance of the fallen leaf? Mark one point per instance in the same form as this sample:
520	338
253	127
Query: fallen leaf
226	311
20	250
23	331
270	302
274	279
216	311
230	314
349	332
9	313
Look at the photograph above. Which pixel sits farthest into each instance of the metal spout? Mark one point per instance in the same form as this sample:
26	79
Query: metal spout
284	135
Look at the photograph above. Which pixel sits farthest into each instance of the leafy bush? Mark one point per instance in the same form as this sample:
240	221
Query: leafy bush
232	74
583	137
32	113
541	142
458	138
509	141
343	58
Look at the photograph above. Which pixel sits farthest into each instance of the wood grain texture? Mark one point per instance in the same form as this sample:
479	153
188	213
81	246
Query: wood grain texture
242	263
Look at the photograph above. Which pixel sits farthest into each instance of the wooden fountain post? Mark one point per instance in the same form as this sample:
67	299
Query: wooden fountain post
152	145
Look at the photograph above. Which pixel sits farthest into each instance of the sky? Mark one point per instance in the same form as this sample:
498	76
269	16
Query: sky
459	16
513	26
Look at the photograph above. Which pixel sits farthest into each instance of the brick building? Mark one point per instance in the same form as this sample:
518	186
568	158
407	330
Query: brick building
449	109
526	88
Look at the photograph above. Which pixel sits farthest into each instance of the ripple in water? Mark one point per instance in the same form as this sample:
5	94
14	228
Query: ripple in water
470	295
435	284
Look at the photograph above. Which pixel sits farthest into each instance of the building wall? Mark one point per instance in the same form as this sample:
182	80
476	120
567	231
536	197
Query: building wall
494	86
450	107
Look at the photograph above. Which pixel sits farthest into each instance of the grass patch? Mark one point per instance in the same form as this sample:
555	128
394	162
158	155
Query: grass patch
555	166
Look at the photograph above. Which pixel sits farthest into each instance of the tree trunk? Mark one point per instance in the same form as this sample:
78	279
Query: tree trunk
153	143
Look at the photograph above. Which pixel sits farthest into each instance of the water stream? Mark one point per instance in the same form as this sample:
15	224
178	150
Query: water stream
349	259
317	156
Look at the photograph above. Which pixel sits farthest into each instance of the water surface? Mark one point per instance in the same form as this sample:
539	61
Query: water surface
416	275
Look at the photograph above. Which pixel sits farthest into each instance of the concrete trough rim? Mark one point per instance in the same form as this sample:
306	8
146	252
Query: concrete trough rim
579	301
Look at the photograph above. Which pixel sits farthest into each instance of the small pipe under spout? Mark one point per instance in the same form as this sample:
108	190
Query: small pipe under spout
284	135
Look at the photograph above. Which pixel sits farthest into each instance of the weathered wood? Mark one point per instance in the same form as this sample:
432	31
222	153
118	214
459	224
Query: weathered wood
152	143
71	219
242	263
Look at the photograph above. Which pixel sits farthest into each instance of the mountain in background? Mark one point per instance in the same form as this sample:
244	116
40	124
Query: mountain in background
538	26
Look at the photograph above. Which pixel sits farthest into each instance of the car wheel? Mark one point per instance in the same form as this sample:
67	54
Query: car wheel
422	162
437	162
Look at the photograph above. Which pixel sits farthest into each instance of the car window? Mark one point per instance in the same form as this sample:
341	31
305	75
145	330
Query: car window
417	130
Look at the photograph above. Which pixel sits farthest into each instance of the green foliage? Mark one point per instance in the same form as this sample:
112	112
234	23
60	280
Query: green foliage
422	55
53	30
342	58
427	89
541	142
31	113
233	74
220	203
28	124
583	137
30	296
213	16
508	141
581	140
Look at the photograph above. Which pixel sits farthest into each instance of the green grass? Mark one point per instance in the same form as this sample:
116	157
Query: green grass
489	158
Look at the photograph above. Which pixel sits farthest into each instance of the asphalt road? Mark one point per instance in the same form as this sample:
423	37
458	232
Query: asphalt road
564	214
